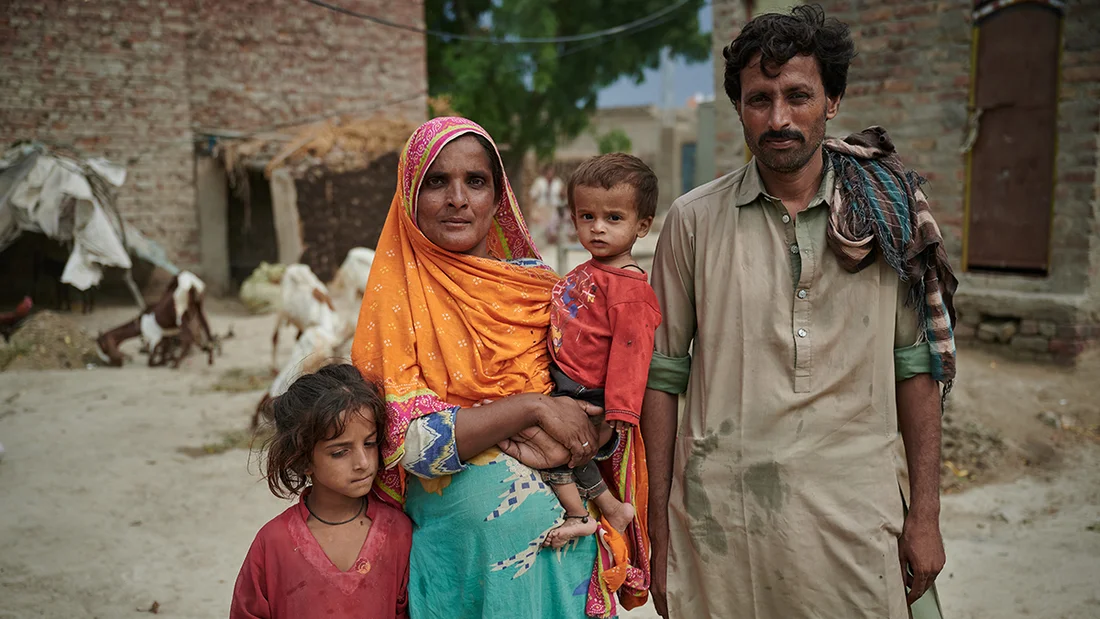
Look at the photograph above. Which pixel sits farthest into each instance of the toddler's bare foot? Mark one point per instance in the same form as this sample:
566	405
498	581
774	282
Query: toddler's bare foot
620	517
571	529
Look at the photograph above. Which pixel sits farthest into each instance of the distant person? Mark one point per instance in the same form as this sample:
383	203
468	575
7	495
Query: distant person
602	319
338	552
806	301
548	199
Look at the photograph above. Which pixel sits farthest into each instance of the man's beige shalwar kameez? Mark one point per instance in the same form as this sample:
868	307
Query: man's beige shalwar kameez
784	501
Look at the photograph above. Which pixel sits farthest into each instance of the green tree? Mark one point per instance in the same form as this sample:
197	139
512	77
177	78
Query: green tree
614	141
531	96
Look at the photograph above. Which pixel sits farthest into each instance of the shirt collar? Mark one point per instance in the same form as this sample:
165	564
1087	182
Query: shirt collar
752	187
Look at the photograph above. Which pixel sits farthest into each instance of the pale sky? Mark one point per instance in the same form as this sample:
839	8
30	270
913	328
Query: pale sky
687	80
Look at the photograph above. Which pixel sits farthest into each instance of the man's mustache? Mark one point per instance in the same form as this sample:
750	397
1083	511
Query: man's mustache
784	134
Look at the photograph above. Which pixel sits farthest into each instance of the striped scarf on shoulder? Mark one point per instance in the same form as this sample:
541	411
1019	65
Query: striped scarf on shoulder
878	207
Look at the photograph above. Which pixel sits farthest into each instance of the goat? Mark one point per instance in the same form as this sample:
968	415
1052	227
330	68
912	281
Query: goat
350	283
325	318
314	348
169	327
305	303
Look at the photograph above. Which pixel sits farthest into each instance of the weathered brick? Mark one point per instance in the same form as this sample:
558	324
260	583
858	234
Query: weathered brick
965	332
1067	348
131	80
970	318
1073	332
1088	73
1032	343
997	330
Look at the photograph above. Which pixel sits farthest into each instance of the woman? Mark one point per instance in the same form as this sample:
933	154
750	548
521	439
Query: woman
454	321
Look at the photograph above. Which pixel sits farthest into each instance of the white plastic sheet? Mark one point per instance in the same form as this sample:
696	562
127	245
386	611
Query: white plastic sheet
36	188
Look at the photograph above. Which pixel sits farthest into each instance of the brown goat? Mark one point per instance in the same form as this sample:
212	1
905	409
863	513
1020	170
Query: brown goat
169	326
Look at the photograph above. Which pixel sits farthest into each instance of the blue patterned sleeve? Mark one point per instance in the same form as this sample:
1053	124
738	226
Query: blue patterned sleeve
430	447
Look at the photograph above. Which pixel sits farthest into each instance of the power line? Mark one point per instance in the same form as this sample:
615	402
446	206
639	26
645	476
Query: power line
506	41
580	48
652	21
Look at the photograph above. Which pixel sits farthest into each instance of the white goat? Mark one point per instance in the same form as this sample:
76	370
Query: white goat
350	284
325	317
305	303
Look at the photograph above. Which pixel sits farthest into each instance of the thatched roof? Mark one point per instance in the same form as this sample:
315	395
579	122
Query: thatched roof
340	144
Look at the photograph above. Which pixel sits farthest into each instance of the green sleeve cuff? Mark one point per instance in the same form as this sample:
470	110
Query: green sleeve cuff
910	361
669	374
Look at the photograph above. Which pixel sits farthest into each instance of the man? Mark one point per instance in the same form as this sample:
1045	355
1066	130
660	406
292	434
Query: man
548	197
803	352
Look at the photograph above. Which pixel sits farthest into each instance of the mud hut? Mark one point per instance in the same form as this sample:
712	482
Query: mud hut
306	194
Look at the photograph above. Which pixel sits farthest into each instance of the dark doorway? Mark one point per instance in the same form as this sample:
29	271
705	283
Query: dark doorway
1011	164
251	228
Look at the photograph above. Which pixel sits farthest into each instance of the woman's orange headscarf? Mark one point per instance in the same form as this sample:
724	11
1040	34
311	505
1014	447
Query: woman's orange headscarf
442	329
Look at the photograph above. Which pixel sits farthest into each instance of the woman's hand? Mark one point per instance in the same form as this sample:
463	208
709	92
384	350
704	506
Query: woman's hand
513	420
536	449
570	423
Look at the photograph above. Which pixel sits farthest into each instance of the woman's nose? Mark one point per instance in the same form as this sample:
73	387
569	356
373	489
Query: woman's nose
456	195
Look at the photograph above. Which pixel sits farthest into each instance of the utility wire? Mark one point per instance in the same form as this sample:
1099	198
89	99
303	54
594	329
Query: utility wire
506	41
652	21
569	51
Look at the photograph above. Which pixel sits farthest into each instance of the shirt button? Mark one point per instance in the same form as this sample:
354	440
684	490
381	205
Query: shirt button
802	333
802	294
794	249
786	219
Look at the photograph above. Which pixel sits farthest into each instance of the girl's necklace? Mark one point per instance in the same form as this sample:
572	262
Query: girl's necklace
322	520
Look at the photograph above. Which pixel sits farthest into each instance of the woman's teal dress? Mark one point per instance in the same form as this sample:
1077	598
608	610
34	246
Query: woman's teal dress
477	546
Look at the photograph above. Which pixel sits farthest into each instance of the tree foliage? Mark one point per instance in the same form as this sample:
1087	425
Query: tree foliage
614	141
531	96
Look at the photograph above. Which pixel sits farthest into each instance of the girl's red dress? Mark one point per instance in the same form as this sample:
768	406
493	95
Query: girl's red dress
287	575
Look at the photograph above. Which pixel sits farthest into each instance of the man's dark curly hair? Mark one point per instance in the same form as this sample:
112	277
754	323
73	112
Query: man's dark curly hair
778	38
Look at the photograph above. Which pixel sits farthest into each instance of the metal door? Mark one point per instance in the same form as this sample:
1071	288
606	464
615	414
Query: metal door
1011	165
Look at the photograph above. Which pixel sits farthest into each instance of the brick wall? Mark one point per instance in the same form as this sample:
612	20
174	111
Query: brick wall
255	63
132	79
912	77
1094	248
110	79
1076	226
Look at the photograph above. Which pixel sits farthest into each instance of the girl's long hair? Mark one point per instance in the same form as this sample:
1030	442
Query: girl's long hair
316	408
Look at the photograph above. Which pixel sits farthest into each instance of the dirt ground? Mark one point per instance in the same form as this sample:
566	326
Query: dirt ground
122	488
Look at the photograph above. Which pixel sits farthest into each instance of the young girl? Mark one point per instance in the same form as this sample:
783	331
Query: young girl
337	553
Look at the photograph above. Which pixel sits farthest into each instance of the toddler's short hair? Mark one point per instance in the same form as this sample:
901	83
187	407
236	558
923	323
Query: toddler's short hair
607	171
